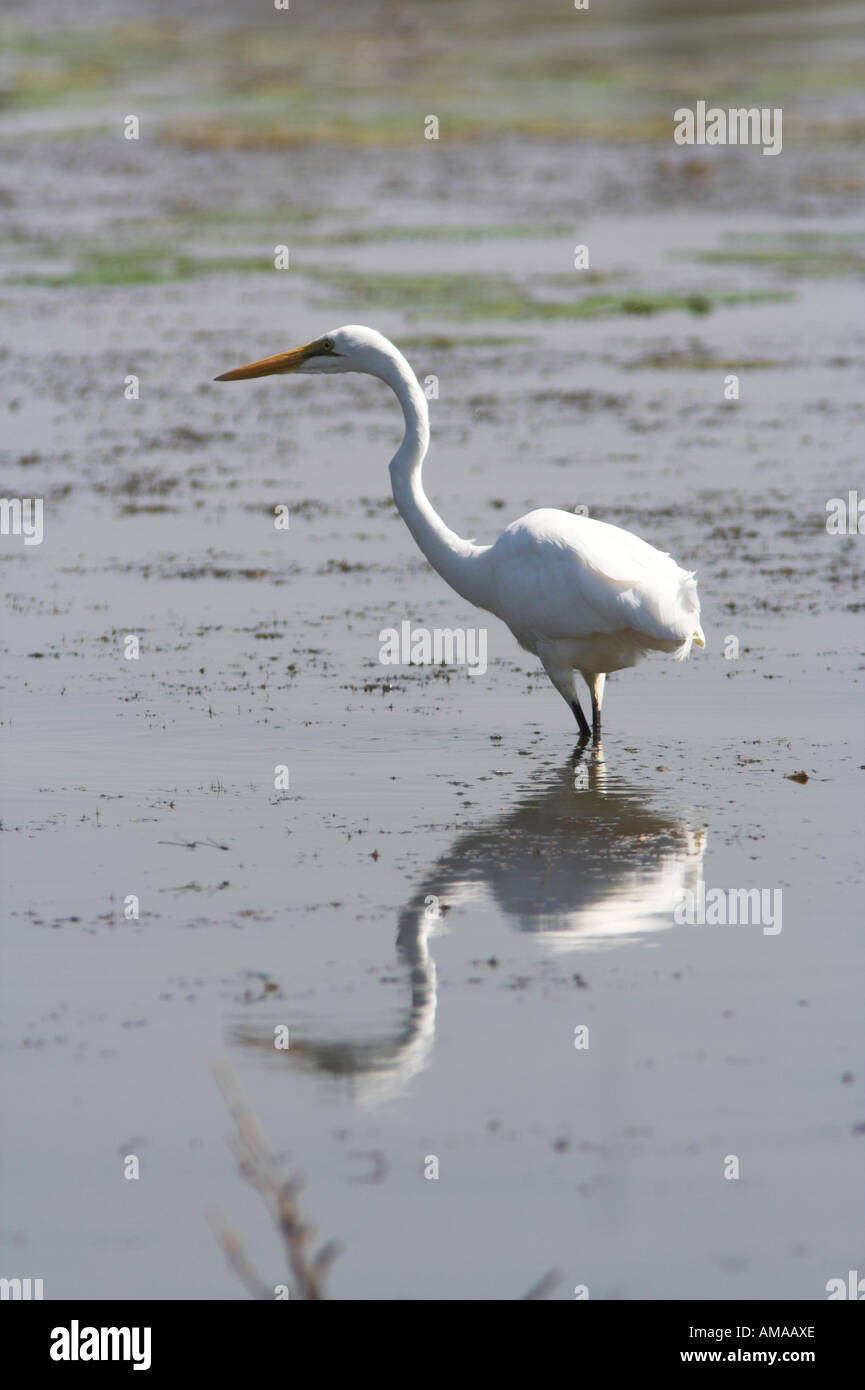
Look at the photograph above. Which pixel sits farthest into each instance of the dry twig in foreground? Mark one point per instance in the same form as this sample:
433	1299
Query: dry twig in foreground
262	1171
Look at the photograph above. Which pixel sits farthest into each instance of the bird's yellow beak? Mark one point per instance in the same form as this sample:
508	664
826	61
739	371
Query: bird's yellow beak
280	362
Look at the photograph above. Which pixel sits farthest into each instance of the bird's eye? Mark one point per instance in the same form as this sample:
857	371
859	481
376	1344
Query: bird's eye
327	344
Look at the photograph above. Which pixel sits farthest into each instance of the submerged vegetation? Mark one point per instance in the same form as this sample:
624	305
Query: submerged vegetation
457	295
502	297
803	253
140	265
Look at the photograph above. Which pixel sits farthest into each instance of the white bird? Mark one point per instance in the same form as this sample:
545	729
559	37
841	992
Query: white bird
580	594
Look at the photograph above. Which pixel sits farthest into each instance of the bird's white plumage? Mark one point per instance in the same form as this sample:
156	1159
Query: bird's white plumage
582	594
565	578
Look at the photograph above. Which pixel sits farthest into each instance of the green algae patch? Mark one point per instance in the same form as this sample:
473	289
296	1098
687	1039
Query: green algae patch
703	362
801	253
142	266
498	297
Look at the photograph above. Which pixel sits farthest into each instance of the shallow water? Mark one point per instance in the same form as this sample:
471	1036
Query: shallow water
448	889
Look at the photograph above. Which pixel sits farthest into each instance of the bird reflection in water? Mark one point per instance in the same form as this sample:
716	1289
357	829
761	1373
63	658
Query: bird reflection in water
583	861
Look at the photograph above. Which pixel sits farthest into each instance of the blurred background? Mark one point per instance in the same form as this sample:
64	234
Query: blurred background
134	271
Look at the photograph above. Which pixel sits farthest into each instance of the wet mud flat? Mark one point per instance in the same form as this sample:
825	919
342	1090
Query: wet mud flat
447	891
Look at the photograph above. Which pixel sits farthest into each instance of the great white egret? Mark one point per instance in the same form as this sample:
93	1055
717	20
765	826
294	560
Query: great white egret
581	594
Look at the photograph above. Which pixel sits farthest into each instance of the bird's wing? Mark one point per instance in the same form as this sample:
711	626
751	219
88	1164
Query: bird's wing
559	575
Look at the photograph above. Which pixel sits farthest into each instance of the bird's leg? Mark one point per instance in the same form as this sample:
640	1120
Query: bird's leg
563	677
581	718
596	686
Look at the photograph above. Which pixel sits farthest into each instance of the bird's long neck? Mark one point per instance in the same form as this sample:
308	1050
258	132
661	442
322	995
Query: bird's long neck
461	563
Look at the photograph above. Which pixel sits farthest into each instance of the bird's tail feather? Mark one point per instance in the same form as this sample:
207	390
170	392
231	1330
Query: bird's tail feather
690	607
